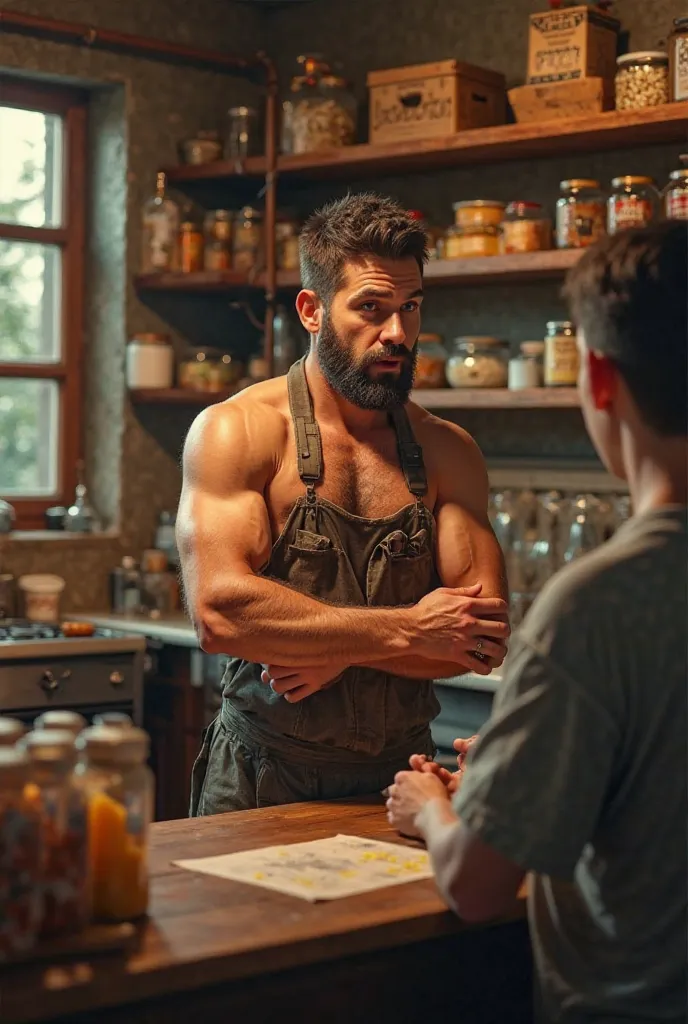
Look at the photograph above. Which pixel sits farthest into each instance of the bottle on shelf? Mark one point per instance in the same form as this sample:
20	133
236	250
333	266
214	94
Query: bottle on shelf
161	218
125	587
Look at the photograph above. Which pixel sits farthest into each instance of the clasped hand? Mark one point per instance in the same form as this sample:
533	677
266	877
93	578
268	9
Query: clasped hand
297	683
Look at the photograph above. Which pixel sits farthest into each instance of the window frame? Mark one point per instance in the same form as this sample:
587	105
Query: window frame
70	238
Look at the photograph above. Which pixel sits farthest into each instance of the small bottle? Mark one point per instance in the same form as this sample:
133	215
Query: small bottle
81	516
61	721
165	539
125	587
119	788
160	231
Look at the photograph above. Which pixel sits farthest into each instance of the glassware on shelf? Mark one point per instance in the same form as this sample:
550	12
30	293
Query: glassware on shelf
642	80
675	195
248	240
190	248
581	216
478	362
320	113
242	133
431	362
525	228
217	250
583	531
208	369
287	241
161	218
561	355
634	203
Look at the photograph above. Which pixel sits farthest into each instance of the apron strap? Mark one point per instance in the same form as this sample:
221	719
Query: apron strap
306	432
410	454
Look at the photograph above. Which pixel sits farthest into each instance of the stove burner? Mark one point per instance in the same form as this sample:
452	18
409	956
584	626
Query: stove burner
23	629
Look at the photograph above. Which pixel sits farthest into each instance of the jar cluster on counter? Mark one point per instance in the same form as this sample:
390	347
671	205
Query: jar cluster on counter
76	804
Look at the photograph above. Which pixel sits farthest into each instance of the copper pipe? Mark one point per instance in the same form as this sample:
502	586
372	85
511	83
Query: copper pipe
270	206
142	46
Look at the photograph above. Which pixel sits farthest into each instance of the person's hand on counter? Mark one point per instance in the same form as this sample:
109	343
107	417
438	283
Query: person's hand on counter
296	684
409	794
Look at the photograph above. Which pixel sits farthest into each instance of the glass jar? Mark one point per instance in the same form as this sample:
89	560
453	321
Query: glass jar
61	721
581	213
217	249
465	242
61	806
633	203
11	731
561	355
431	362
190	248
320	113
160	223
118	786
20	857
642	80
242	133
678	59
150	361
525	228
208	369
478	362
478	213
525	371
248	240
114	719
287	242
675	195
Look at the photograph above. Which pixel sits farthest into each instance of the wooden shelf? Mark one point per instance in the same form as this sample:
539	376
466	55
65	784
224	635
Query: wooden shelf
614	129
202	281
177	396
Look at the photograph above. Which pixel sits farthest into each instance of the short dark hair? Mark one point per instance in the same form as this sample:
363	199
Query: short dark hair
629	295
361	224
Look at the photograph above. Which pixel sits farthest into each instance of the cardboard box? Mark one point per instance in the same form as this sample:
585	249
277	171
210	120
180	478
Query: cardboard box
556	100
572	43
422	101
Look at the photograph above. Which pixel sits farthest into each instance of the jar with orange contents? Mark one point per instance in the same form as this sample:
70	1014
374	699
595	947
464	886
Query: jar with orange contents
61	807
118	787
20	857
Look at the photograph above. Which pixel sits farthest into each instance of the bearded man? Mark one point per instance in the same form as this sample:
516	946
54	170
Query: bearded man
334	538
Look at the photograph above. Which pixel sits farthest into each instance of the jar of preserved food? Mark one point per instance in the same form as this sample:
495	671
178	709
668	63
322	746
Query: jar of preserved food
678	59
248	240
561	355
633	203
431	362
150	361
525	371
478	213
642	80
61	806
462	243
242	134
320	113
675	195
525	228
581	213
208	369
217	250
478	362
61	721
287	241
20	857
118	786
11	730
190	248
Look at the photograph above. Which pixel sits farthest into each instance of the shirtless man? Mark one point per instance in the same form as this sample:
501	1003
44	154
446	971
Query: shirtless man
334	538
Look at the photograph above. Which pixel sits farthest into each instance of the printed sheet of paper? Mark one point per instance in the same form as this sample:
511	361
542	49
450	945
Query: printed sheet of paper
323	869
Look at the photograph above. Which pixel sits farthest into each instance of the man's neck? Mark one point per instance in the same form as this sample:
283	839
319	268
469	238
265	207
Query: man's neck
657	473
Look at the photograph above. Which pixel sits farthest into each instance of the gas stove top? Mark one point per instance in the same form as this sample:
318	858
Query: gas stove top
21	638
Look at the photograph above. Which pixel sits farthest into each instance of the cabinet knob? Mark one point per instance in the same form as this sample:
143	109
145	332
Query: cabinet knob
48	681
116	678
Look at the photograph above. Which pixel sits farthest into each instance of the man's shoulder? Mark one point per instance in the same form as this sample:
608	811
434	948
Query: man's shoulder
442	439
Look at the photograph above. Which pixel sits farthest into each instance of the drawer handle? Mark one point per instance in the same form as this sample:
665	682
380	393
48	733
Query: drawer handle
116	678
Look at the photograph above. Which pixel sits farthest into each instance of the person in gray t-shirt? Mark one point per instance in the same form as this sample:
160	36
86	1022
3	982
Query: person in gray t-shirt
580	774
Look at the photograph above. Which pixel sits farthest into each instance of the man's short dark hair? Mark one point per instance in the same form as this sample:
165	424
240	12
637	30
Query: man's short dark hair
359	225
629	295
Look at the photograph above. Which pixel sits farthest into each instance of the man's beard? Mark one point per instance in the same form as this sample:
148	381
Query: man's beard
350	379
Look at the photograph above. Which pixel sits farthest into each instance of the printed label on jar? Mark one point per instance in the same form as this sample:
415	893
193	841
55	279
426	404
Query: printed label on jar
580	224
160	237
561	362
629	212
681	68
677	205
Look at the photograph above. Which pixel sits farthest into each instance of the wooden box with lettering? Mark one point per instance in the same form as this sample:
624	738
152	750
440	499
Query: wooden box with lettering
423	101
572	43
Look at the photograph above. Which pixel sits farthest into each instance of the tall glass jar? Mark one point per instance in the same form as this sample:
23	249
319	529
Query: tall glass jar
160	243
248	240
642	80
320	113
678	59
61	805
634	202
287	241
581	213
217	252
675	195
561	355
242	133
119	789
20	857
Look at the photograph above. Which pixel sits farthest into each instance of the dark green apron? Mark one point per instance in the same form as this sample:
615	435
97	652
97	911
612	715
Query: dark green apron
351	738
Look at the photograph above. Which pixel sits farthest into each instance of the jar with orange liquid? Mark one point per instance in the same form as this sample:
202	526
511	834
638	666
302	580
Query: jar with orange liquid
119	789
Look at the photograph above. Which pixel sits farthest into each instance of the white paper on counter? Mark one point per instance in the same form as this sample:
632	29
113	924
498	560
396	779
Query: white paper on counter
323	869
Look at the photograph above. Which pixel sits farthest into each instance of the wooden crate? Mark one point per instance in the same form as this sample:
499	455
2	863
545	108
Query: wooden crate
422	101
561	99
572	43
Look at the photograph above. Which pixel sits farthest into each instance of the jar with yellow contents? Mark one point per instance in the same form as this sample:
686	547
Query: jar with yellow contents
118	786
561	355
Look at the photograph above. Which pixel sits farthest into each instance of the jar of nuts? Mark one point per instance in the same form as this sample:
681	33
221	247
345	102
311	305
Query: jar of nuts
642	80
320	113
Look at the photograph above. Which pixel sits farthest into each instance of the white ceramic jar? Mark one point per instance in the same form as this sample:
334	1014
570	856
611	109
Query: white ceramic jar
150	361
41	593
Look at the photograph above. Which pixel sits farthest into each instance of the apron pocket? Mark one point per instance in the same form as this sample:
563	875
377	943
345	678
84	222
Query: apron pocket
200	768
312	564
401	570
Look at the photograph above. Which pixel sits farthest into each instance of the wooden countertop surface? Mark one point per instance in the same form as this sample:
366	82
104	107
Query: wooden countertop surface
204	931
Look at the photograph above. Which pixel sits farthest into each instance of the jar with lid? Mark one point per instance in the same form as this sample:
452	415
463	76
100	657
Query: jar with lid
525	371
467	242
217	248
208	369
320	113
678	59
11	731
478	362
60	721
160	243
525	228
242	133
119	789
61	806
150	361
190	248
478	213
633	203
675	195
20	857
581	213
561	355
642	80
287	230
248	240
431	362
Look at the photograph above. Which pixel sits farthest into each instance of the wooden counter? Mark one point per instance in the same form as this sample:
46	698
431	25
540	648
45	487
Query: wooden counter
214	950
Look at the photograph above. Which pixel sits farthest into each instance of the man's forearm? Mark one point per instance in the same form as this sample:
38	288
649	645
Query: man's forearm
441	830
414	666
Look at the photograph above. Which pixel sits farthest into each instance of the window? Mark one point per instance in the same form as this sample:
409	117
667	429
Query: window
42	205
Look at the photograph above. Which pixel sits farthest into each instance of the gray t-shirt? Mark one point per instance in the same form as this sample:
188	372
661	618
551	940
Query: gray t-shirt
580	777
